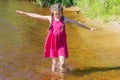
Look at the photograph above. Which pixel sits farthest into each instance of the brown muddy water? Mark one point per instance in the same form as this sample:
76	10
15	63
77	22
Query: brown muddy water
92	55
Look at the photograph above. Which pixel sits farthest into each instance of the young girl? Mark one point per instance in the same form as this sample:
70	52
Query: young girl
55	44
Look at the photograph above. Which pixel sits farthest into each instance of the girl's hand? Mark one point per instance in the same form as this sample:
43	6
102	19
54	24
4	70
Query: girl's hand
91	29
19	12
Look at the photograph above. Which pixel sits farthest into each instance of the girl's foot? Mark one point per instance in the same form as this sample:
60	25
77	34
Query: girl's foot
55	68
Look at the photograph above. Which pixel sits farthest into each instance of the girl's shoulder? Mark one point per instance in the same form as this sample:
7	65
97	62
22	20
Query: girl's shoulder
65	19
49	18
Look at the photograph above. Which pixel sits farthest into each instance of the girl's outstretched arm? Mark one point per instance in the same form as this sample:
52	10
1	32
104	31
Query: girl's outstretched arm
37	16
78	23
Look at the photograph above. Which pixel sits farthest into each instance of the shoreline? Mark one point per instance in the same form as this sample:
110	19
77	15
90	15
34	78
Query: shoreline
95	21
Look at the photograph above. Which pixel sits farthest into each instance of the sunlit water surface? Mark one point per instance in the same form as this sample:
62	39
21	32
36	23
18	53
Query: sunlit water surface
92	55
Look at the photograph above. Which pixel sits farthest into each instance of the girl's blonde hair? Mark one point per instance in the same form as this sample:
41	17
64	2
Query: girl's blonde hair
56	7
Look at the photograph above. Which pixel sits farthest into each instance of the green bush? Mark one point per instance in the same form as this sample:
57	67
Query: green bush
66	3
108	10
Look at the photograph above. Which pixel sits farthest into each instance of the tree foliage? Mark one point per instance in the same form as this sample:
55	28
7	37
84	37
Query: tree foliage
47	3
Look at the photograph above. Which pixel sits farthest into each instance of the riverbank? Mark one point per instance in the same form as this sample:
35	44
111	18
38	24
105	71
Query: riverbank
96	21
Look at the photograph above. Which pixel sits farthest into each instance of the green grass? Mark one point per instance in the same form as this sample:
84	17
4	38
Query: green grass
107	10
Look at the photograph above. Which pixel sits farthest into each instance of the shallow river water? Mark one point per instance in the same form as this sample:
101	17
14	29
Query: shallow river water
93	55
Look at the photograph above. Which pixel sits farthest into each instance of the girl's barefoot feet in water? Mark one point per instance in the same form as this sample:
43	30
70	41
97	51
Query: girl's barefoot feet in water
65	70
55	69
61	71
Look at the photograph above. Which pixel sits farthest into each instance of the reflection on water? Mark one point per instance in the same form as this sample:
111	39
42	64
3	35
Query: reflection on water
54	76
22	40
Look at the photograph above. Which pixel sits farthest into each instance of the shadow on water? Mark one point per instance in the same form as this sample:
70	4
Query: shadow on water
83	72
78	73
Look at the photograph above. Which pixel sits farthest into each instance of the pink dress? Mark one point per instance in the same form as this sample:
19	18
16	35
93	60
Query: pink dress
55	44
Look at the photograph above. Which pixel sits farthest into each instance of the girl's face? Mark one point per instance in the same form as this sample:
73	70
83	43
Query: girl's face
57	14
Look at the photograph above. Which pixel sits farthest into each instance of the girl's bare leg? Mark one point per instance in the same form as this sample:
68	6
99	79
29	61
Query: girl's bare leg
62	64
54	63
